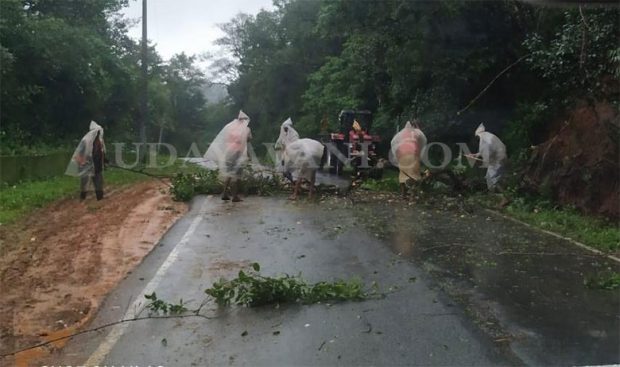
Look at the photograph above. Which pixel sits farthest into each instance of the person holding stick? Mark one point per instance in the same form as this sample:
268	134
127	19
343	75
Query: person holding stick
492	153
88	160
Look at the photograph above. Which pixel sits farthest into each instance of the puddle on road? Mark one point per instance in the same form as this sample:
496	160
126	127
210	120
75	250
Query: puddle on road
521	286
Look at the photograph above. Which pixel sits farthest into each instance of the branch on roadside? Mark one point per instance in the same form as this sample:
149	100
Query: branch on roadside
104	326
162	178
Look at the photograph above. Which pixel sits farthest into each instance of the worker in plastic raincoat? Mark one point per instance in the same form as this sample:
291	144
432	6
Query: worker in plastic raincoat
493	154
287	135
229	150
87	161
299	158
406	151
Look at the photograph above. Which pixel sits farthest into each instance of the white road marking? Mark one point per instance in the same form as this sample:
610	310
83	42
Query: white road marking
574	242
119	329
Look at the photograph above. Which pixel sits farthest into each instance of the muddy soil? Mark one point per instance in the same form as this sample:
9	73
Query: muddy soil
57	265
578	164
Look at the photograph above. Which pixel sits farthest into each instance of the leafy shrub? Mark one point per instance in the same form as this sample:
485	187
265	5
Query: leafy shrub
257	183
206	182
157	305
608	280
186	185
581	54
526	128
252	289
385	184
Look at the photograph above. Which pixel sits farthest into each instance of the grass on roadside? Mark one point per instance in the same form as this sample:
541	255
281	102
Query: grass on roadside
20	199
389	182
607	280
599	233
185	185
596	232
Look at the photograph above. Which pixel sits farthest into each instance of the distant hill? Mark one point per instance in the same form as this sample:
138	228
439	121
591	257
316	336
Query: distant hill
214	92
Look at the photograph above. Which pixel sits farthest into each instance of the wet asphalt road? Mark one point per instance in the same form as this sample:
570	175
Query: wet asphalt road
440	308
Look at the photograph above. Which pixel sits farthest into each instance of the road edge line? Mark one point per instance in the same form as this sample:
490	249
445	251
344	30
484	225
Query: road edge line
97	357
574	242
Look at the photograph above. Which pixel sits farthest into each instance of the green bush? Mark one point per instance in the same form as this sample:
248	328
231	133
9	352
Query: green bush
529	121
581	54
186	185
389	182
543	213
251	289
206	182
608	280
257	183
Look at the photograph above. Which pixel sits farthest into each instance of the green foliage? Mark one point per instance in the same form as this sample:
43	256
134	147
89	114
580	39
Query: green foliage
186	185
160	306
608	280
274	53
404	59
64	67
206	182
257	183
67	62
12	144
602	234
20	199
598	233
185	111
389	182
527	127
252	289
581	56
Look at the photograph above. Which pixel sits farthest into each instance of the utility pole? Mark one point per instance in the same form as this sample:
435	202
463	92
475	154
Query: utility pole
144	110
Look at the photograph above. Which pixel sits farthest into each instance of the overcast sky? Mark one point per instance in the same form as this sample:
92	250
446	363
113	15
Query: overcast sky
188	25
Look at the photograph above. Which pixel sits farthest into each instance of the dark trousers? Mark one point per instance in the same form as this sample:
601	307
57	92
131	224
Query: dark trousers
97	182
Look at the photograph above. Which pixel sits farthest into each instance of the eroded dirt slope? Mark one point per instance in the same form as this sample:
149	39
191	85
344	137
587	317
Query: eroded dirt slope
57	265
578	164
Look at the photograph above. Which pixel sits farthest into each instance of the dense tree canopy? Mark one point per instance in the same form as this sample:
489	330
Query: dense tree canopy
402	59
66	62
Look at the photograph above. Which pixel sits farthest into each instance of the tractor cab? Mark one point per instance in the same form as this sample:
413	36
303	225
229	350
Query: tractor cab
353	141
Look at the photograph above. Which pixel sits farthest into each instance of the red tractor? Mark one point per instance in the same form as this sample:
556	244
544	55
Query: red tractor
354	142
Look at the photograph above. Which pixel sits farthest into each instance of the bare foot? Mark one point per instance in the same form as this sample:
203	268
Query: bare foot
225	197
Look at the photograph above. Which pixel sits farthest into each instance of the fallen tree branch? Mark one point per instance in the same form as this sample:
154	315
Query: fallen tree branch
159	177
491	83
103	327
